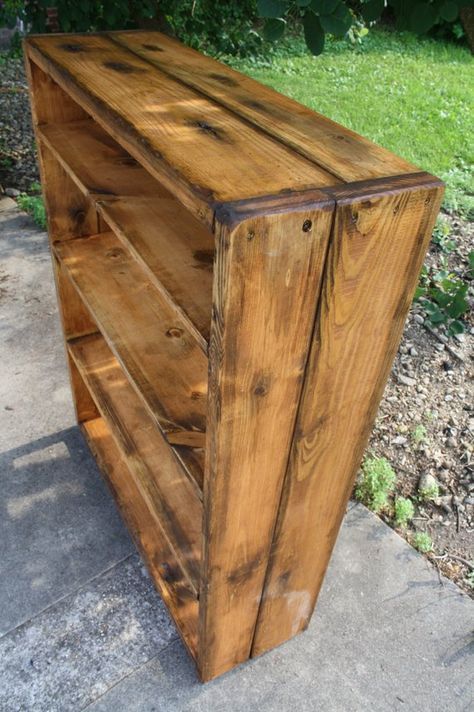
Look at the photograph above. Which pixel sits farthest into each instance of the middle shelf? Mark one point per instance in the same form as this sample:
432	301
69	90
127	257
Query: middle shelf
171	245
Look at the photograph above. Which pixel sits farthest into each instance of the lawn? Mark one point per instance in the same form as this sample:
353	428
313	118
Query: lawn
414	96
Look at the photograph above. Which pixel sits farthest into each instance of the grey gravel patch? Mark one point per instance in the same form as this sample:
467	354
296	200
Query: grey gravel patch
73	652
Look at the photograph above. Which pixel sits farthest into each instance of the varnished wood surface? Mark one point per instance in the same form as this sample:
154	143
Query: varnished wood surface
199	150
175	249
338	150
164	363
235	497
266	287
375	257
170	496
166	574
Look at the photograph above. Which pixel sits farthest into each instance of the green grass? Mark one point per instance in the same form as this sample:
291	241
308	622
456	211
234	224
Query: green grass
411	95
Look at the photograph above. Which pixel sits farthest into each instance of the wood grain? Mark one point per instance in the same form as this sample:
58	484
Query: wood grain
266	286
169	495
374	260
69	214
174	247
165	572
163	361
197	149
340	151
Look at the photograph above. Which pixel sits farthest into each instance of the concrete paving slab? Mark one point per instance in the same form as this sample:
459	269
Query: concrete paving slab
386	635
73	652
58	525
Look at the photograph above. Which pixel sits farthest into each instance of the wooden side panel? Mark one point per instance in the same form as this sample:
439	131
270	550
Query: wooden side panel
69	214
374	260
266	286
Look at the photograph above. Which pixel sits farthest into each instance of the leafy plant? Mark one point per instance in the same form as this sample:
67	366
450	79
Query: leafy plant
422	542
404	511
341	17
443	296
376	483
429	492
34	206
442	236
418	434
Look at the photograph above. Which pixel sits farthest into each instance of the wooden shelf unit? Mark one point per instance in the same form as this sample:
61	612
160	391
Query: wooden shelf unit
233	274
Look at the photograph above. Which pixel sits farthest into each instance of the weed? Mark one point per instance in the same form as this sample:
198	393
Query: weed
404	511
443	296
376	483
428	493
442	236
422	542
34	206
419	434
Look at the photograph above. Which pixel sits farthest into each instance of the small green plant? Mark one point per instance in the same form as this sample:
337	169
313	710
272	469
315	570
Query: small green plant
34	206
404	511
429	492
419	434
442	236
376	483
422	542
470	579
443	296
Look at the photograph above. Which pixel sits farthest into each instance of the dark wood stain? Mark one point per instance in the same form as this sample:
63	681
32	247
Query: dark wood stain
73	47
223	79
207	129
152	47
123	67
205	258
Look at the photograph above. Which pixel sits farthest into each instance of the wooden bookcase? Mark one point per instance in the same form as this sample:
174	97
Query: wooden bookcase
233	273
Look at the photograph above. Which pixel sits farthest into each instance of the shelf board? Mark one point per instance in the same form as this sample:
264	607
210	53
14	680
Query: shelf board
150	340
166	574
170	496
175	249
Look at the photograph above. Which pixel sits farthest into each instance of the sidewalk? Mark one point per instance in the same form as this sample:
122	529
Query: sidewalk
81	624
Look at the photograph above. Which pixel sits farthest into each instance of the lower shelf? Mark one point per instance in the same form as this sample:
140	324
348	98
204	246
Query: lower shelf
167	576
162	485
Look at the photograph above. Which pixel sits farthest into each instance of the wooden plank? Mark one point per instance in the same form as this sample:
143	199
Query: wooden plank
266	286
99	165
375	257
338	150
69	214
170	496
162	360
160	561
168	241
199	150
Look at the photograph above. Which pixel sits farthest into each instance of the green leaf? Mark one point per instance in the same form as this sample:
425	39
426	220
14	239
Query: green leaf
271	8
456	327
324	7
338	23
372	10
303	3
313	33
274	29
449	11
422	18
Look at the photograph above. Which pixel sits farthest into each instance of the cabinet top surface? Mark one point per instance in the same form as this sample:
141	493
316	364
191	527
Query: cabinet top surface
216	134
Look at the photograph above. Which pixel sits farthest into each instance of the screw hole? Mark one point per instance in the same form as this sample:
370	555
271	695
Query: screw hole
250	235
307	226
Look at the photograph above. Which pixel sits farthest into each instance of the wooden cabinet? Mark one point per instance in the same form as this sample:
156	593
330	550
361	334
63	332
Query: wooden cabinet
233	274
